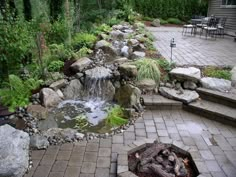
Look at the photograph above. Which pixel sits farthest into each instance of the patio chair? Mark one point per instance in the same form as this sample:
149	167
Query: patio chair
211	28
187	27
221	26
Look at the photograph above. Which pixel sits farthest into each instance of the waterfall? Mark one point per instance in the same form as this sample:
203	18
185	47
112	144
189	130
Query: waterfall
97	84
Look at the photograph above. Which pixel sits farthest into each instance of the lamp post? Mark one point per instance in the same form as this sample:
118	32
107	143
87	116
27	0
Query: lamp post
172	45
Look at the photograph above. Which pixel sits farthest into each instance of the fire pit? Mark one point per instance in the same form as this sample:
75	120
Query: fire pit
157	160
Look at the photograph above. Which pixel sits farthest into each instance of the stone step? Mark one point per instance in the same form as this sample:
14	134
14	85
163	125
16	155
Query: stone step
228	99
214	111
157	102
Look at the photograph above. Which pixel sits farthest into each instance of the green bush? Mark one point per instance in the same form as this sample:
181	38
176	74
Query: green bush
83	52
17	92
175	21
55	66
59	51
163	22
165	65
116	117
103	28
217	73
83	40
148	69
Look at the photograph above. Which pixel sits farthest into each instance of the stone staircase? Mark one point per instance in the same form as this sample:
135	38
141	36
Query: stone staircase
215	105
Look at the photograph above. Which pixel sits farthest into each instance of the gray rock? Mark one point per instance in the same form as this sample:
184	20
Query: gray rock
39	142
133	42
156	23
73	90
79	136
47	124
190	85
182	74
52	132
117	35
186	96
139	37
79	75
98	73
49	97
233	77
147	84
102	43
221	85
128	96
14	154
37	111
121	60
68	133
137	55
128	70
81	64
109	51
109	92
58	84
59	92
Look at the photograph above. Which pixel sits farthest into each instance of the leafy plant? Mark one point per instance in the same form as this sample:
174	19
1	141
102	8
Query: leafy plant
103	28
175	21
60	51
17	92
81	122
163	22
116	117
83	40
55	66
217	73
148	69
165	65
83	52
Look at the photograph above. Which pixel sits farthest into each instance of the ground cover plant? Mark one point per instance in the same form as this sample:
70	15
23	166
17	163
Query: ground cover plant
217	73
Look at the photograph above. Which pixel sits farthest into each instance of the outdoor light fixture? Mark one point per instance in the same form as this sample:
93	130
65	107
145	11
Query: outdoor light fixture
172	45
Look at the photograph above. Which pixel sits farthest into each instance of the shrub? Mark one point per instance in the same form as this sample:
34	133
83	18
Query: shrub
83	52
59	51
83	40
113	21
55	66
163	22
149	69
217	73
175	21
18	92
116	117
165	65
103	28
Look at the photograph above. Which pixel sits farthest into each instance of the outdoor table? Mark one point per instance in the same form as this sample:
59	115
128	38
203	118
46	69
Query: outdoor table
196	21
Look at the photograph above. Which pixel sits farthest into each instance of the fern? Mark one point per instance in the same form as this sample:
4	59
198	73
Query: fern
17	92
116	117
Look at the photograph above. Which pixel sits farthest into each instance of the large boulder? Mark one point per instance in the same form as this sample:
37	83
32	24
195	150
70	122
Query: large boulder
37	111
49	97
186	96
109	51
81	64
58	84
73	90
221	85
117	35
109	91
137	55
14	152
39	142
156	23
128	70
147	84
233	77
182	74
128	96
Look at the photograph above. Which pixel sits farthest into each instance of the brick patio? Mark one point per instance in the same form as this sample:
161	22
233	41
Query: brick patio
195	51
212	144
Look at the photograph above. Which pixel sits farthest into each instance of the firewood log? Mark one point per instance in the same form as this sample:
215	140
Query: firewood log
157	170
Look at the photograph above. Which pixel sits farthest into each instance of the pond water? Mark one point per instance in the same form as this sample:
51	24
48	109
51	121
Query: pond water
93	112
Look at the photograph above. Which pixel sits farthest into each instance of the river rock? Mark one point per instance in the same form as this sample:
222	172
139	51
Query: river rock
137	55
186	96
182	74
190	85
14	154
109	51
128	70
221	85
233	77
128	96
81	64
49	97
58	84
133	42
147	84
125	51
109	91
73	90
37	111
39	142
156	23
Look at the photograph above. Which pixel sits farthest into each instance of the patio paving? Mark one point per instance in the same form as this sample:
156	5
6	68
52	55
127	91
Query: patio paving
212	145
194	51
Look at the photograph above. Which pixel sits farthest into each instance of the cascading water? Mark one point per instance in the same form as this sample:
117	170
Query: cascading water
98	91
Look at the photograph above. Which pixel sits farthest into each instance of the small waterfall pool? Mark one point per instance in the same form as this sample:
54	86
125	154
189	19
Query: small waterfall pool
94	111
